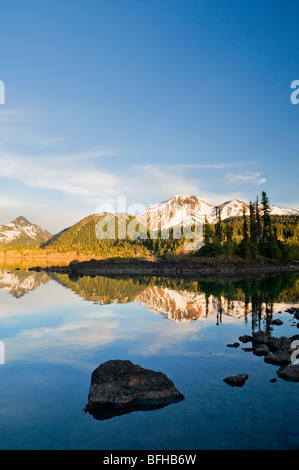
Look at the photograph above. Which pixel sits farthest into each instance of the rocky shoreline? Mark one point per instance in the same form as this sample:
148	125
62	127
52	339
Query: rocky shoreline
164	267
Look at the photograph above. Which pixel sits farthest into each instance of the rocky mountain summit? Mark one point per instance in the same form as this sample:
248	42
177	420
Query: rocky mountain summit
21	232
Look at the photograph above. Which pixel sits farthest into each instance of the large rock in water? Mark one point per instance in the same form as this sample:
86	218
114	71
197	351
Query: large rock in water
118	387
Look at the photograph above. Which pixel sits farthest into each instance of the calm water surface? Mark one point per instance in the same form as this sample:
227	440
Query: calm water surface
56	331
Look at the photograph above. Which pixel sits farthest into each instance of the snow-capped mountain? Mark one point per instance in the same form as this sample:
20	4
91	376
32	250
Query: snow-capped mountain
232	208
275	210
21	232
184	210
177	211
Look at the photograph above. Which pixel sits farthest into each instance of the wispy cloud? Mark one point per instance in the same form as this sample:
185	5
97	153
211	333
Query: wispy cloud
56	172
254	178
210	166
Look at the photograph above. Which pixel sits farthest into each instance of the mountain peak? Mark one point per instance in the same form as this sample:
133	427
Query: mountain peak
21	232
20	220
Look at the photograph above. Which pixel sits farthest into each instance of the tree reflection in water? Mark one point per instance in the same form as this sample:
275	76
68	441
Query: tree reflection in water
189	299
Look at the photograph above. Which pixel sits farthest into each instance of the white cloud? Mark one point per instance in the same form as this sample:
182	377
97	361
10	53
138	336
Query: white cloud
254	178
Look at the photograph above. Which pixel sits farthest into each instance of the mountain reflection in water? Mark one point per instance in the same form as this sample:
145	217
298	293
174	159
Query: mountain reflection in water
20	282
179	300
182	300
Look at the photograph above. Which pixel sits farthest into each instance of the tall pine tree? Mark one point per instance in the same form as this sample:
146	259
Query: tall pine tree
258	230
252	222
266	217
218	228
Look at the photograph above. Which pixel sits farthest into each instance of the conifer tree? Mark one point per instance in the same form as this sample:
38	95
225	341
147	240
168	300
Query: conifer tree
218	224
257	221
252	222
266	217
208	231
245	226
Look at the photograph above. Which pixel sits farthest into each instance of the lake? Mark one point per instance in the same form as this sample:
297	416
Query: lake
55	331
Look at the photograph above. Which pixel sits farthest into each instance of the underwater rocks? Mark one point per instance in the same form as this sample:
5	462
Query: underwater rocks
278	358
289	373
277	321
259	337
245	338
261	350
276	350
119	387
279	351
237	380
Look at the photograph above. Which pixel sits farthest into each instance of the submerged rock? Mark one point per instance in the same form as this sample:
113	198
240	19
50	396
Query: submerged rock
259	337
119	386
245	338
279	344
237	380
278	358
277	321
261	350
289	373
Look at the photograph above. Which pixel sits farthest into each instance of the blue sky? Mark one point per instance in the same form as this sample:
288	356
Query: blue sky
145	100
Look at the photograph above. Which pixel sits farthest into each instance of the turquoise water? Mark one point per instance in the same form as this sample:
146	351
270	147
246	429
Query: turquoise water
55	332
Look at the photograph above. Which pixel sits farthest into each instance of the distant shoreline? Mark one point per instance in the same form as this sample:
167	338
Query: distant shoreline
186	267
